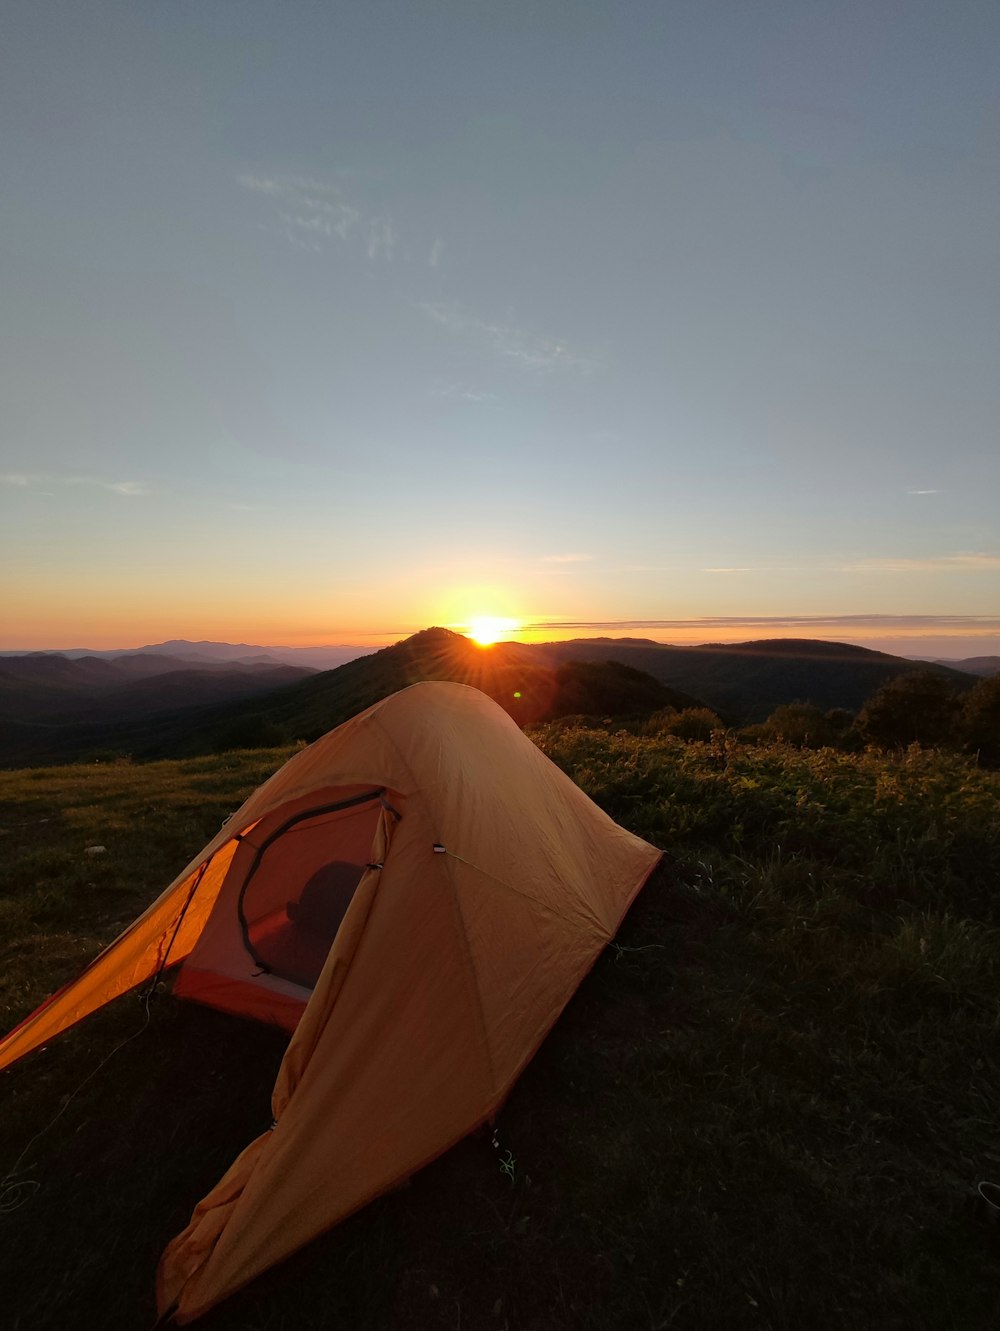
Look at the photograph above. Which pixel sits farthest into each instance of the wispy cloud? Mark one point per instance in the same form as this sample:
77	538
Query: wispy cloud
452	392
963	562
930	623
310	213
656	568
25	480
281	185
725	568
306	204
566	559
507	340
381	239
436	251
925	492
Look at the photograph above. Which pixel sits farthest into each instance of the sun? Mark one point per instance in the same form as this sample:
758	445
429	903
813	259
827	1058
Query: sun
485	629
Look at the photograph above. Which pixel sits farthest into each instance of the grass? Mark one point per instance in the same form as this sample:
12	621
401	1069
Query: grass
763	1109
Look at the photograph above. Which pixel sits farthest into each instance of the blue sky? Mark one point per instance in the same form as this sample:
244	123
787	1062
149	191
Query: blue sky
325	322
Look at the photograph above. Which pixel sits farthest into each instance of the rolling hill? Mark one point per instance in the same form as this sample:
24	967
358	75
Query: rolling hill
745	681
53	707
985	666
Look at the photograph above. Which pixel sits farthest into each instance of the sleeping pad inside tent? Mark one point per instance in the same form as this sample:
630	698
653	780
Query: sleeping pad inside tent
414	898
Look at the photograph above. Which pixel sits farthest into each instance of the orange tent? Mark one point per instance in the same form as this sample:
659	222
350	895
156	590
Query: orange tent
416	896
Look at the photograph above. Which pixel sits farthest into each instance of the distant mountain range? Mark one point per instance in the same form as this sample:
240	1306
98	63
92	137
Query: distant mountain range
218	653
60	691
973	665
153	703
53	707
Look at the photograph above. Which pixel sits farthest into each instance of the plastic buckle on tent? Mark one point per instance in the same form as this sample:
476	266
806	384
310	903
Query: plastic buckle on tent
439	849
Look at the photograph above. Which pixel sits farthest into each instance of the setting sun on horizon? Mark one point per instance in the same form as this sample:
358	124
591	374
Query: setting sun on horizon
487	629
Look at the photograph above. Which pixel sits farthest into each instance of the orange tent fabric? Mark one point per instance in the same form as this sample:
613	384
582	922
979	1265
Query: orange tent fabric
490	885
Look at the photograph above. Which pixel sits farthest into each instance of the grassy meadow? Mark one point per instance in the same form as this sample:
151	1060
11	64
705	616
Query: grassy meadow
763	1109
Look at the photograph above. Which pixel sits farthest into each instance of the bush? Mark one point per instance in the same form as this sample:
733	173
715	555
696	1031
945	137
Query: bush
840	720
801	724
980	721
691	723
918	707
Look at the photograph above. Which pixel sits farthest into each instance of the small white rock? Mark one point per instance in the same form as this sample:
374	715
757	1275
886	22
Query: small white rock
95	850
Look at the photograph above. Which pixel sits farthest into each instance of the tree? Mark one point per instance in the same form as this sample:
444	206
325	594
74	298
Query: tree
801	724
918	706
981	720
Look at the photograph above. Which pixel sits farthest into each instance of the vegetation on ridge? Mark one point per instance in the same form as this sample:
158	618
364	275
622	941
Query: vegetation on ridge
763	1109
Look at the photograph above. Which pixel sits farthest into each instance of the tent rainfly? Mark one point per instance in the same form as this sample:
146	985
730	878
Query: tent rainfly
415	898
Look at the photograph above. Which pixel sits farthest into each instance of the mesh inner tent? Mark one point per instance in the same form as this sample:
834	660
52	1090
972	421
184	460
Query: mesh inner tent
302	882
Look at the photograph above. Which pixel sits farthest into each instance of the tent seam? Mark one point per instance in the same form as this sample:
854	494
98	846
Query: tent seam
457	912
464	944
533	901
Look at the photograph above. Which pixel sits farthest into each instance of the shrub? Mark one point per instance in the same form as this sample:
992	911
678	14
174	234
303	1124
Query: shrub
801	724
918	707
691	723
980	720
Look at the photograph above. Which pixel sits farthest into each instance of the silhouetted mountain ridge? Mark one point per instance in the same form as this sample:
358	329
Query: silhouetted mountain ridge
816	648
510	673
742	682
745	681
973	665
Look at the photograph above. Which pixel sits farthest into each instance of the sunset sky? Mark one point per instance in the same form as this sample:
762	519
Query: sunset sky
323	322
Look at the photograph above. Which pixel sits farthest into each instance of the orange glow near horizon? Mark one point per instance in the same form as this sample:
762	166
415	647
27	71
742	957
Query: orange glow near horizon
110	632
79	614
